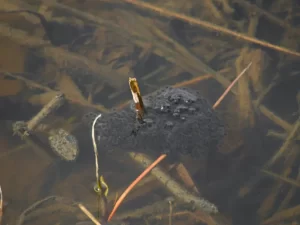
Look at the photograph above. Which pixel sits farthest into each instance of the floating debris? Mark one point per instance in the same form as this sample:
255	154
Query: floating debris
64	144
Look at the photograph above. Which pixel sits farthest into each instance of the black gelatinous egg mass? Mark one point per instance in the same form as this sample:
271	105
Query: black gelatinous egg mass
178	121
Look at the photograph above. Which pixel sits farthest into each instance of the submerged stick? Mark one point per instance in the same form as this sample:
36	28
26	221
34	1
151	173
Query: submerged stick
291	137
285	179
193	81
31	83
54	104
132	185
88	214
34	206
24	129
150	210
61	57
283	215
175	188
289	196
210	26
275	119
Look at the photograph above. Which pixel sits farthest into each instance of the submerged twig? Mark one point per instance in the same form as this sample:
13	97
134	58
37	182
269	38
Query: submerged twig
276	119
35	206
24	129
250	7
55	103
88	214
158	207
175	188
285	179
62	57
179	55
290	194
193	81
185	176
286	214
31	83
279	135
27	81
197	215
268	203
132	185
292	135
207	25
267	90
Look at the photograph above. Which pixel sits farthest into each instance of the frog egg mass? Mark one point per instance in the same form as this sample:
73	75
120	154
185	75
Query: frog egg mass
177	121
64	144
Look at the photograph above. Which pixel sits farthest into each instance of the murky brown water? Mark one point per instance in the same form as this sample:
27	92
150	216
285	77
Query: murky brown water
87	51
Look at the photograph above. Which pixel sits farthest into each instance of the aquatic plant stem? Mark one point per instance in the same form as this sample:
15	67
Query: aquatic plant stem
95	149
131	186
